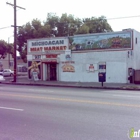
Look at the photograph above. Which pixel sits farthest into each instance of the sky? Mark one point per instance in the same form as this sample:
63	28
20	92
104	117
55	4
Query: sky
78	8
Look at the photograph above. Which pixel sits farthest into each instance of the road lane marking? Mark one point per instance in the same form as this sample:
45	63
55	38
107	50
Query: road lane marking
8	108
73	100
127	96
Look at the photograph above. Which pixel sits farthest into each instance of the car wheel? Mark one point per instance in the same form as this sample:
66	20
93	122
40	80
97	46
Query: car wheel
11	74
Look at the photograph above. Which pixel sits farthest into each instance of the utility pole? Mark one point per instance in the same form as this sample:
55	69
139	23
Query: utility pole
15	38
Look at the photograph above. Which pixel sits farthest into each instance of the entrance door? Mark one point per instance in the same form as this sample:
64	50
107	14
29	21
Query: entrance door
53	74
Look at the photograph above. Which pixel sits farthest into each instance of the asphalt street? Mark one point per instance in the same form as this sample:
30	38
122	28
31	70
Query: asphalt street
56	113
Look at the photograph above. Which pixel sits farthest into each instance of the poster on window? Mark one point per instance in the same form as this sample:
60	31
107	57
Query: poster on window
34	66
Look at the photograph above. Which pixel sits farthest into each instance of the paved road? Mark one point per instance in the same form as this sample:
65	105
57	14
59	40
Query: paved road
52	113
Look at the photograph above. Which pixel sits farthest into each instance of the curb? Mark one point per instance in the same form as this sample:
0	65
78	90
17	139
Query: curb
76	86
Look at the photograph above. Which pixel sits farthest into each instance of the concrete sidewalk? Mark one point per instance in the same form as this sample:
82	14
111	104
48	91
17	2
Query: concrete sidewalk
96	85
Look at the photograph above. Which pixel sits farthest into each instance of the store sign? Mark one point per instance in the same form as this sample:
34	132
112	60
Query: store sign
121	40
43	45
68	68
48	42
40	49
67	62
51	55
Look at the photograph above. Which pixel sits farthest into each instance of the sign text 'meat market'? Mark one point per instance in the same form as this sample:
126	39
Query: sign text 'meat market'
53	48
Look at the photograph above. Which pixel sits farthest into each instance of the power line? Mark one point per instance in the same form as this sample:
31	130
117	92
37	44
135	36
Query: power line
91	20
123	17
87	21
5	27
16	6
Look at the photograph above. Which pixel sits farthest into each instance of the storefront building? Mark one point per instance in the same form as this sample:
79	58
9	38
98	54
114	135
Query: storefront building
44	57
83	58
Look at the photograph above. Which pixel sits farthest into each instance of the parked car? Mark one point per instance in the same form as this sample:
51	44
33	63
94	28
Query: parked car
1	78
7	72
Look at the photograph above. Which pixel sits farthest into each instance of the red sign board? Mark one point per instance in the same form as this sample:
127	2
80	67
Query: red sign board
50	60
51	55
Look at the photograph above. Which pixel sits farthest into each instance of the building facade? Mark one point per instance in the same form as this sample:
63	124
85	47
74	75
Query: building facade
84	58
7	62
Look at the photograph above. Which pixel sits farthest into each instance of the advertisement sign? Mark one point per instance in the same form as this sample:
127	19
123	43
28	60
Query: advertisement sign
68	68
102	67
121	40
102	72
34	66
91	67
35	76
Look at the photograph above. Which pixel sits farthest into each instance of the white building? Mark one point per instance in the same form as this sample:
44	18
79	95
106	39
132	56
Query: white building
83	58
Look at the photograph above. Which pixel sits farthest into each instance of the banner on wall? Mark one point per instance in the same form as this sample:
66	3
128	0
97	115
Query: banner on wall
119	40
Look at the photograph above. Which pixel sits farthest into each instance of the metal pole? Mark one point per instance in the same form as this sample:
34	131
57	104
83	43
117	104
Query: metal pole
15	38
15	43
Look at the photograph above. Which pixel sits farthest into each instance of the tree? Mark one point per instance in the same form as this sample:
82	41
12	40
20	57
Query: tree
84	29
95	25
5	48
10	49
35	29
52	20
54	26
66	25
